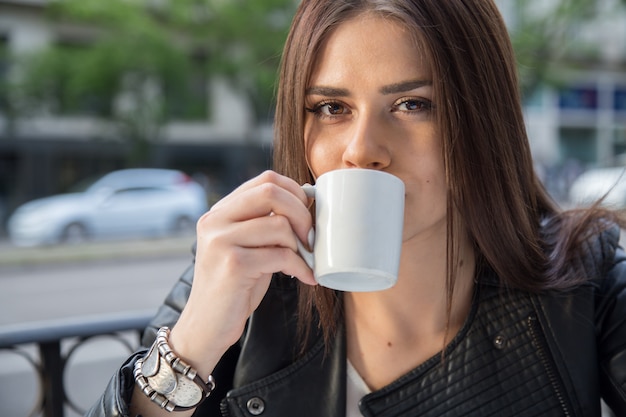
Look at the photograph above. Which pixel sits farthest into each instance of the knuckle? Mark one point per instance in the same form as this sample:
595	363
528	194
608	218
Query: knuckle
235	259
217	239
203	220
268	190
209	225
289	255
269	176
279	222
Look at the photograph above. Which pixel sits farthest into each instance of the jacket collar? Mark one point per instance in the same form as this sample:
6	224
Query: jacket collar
320	373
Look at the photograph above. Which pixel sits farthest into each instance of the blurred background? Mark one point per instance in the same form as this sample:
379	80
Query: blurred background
94	88
91	86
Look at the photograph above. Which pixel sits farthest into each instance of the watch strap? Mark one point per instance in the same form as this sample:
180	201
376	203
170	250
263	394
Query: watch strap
167	380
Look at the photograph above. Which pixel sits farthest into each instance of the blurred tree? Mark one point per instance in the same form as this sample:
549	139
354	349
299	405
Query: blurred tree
7	106
140	63
549	36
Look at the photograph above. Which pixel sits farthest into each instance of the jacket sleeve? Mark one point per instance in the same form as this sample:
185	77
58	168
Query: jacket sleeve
611	334
115	400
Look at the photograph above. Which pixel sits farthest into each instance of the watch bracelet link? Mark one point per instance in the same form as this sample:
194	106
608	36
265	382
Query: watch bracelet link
177	367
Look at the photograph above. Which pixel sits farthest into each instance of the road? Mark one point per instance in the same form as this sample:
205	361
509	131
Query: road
60	284
59	291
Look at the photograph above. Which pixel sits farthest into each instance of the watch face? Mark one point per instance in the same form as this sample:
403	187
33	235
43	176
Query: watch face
187	393
176	387
165	381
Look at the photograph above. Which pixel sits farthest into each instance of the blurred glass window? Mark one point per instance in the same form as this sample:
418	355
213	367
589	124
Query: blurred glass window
579	98
619	99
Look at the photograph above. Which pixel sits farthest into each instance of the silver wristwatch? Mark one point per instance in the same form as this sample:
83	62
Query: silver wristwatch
167	380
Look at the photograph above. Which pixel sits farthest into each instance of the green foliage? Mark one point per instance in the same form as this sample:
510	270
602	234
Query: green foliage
130	47
244	40
179	45
548	39
180	41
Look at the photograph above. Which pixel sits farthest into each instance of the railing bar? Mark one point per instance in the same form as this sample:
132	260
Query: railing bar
52	330
53	370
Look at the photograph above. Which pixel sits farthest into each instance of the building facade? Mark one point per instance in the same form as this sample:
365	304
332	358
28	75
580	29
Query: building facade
577	119
47	153
575	124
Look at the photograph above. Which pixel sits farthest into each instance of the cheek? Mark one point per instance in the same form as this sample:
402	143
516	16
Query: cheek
320	159
426	183
321	154
426	203
436	185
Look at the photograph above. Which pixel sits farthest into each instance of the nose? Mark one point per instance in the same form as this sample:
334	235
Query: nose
367	146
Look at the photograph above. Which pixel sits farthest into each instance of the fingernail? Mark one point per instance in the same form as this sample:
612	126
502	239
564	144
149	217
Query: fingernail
311	238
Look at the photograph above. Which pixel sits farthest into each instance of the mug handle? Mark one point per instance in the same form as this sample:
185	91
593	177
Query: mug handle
309	190
306	254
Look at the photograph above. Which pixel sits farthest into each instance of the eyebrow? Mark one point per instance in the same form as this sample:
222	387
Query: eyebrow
404	86
327	91
396	88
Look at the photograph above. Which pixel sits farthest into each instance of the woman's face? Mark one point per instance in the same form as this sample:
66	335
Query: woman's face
369	105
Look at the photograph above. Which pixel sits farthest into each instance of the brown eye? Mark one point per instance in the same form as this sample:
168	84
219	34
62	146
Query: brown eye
332	109
328	109
413	105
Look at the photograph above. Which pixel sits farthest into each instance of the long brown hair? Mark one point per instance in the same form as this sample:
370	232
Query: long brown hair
492	186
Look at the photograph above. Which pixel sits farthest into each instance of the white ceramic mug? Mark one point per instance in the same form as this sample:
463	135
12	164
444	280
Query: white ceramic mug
359	217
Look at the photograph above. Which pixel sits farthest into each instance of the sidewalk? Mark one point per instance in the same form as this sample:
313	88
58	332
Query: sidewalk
15	257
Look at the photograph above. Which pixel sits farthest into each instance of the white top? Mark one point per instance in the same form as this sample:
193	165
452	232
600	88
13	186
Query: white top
356	389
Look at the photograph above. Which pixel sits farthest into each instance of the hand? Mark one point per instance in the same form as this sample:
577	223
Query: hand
241	242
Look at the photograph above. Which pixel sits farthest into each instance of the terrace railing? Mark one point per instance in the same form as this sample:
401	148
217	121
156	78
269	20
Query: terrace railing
40	343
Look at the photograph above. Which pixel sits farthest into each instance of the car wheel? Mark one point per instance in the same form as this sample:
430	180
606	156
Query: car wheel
74	233
183	226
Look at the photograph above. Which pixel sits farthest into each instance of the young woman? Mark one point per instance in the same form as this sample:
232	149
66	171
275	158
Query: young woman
504	305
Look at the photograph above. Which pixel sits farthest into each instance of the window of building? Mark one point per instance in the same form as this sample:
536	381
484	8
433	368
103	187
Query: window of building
578	98
619	99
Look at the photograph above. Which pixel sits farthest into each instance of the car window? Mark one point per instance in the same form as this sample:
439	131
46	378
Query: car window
136	179
138	190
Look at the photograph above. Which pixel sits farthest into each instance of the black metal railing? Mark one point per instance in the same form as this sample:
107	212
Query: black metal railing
49	362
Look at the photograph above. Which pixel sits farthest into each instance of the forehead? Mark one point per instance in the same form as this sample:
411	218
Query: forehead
370	43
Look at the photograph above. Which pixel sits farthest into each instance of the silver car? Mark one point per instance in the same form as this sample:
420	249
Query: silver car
594	184
142	202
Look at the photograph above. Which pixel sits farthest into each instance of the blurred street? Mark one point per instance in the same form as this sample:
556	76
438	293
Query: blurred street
52	283
68	281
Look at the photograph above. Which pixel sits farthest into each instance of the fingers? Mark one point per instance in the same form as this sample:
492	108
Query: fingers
270	238
262	213
266	195
259	262
267	177
275	178
266	231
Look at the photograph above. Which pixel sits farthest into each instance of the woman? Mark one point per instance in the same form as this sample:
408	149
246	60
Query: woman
504	305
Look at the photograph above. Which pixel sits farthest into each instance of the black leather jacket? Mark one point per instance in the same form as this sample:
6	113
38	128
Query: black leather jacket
518	354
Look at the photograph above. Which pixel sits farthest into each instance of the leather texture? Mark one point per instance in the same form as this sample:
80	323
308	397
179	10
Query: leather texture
518	354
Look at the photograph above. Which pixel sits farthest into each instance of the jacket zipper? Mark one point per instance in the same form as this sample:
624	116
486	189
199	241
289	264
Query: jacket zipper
547	362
